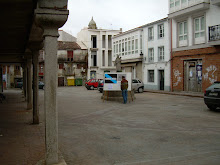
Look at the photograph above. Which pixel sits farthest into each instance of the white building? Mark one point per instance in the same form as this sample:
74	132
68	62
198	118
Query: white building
156	65
128	46
195	39
190	22
99	44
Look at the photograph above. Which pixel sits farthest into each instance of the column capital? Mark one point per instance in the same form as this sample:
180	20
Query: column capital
54	4
27	54
35	45
36	38
50	20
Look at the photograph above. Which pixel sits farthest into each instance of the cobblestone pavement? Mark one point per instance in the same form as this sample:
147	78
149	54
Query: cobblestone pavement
154	129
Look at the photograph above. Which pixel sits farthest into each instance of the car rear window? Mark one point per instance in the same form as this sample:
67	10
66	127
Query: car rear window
215	85
134	81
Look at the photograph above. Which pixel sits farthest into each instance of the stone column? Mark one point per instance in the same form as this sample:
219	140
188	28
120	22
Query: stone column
29	84
24	66
35	87
50	99
1	79
50	20
35	44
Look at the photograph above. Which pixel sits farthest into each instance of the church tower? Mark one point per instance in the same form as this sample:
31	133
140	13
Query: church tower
92	24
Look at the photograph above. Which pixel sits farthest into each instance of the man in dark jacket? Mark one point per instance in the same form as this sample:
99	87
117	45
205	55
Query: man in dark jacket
124	87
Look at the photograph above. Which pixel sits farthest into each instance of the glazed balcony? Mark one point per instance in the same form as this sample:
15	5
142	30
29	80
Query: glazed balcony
188	7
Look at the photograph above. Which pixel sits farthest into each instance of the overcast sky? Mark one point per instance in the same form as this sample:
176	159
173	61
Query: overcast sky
113	14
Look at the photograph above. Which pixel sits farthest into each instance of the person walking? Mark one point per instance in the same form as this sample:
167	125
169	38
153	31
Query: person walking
124	87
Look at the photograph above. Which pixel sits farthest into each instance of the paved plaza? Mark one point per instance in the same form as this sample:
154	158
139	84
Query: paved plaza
155	129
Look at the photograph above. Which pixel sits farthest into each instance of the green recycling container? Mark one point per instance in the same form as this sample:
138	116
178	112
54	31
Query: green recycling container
78	82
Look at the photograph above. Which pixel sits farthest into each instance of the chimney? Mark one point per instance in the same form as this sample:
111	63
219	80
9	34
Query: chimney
120	30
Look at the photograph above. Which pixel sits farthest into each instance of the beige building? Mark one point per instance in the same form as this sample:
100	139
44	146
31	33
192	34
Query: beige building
72	62
99	45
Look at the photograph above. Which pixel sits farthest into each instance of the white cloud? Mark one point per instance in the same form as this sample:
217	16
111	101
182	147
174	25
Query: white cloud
113	14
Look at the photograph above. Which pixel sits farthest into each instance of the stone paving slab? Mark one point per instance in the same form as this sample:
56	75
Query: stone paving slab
155	129
21	143
152	130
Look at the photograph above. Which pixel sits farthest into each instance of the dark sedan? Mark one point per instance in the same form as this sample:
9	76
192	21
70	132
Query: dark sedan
212	96
19	84
41	85
100	86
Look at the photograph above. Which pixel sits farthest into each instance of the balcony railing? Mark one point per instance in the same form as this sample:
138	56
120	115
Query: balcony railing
214	33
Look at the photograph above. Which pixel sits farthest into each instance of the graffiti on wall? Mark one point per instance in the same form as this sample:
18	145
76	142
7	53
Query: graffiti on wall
177	77
210	74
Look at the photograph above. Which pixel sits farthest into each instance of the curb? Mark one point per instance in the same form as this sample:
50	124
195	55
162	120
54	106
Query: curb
172	93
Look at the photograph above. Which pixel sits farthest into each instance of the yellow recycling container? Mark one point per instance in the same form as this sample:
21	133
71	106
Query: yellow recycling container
70	81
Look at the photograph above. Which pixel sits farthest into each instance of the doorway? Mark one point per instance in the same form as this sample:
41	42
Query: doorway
161	79
60	81
92	74
192	80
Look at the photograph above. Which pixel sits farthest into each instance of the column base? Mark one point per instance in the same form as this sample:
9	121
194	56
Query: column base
61	161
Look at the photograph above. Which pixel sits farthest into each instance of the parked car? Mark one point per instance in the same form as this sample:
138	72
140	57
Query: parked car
212	96
91	84
137	85
41	85
100	85
19	84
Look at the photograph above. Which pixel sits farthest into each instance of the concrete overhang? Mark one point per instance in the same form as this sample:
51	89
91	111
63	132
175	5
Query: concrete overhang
190	10
123	61
132	60
12	59
215	2
214	43
16	18
94	49
108	68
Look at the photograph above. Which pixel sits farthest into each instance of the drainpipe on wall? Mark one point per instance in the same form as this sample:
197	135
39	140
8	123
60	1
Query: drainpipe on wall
171	56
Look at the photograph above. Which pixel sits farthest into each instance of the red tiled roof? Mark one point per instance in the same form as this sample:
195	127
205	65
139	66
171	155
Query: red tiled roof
62	45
